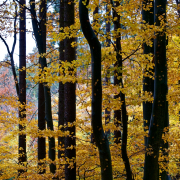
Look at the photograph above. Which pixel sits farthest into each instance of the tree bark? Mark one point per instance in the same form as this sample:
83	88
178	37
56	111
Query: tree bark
41	99
94	21
69	97
47	93
61	89
159	116
117	113
96	107
123	110
107	79
22	87
148	83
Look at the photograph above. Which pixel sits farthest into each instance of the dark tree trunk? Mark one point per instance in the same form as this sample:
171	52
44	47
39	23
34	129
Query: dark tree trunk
107	78
94	21
69	96
123	111
22	86
117	113
99	135
159	116
61	89
11	53
148	83
47	93
41	99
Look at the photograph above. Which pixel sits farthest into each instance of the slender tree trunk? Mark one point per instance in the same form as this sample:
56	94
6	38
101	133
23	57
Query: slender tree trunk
61	89
96	107
11	53
123	112
107	78
69	97
148	83
41	99
117	113
47	94
159	116
94	21
22	86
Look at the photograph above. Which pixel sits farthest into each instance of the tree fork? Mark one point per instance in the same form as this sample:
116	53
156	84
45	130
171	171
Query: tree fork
159	116
123	110
47	94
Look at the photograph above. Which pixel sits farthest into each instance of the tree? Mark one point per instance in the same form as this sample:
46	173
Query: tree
11	53
118	79
95	14
48	111
69	97
61	88
99	135
41	99
159	116
107	78
117	112
148	83
22	85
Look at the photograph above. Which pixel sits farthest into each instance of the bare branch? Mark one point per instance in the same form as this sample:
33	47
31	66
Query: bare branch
14	43
23	5
4	41
12	52
131	53
3	3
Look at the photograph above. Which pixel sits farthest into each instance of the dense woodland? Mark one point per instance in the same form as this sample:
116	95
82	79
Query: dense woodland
98	98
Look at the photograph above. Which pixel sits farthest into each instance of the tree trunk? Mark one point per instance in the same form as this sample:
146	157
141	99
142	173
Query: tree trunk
11	53
69	97
47	93
159	116
107	79
61	88
117	113
123	112
96	107
94	21
22	86
148	83
41	99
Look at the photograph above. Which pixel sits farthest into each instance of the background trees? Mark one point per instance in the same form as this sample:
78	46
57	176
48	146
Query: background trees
128	62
